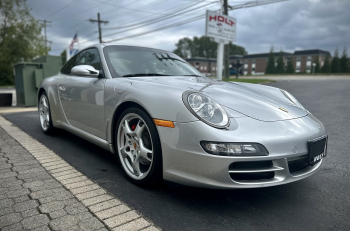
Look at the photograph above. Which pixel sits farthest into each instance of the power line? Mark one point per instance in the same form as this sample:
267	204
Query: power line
69	4
162	28
244	5
91	8
255	3
166	12
141	25
149	5
154	20
258	3
131	9
74	27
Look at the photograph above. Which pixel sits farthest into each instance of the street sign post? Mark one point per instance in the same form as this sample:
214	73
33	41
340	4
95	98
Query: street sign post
223	29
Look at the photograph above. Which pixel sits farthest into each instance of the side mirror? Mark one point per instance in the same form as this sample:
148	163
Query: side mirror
85	70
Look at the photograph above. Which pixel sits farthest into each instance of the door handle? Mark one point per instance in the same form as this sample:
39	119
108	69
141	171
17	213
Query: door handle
62	88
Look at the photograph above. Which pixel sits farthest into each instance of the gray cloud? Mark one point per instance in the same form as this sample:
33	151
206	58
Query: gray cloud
296	24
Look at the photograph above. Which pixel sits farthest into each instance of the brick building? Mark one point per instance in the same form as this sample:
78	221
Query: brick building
255	64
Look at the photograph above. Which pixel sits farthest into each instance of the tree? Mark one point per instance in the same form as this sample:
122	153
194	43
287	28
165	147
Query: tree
317	67
335	66
203	47
237	50
326	68
64	56
344	62
290	66
184	48
280	64
270	67
20	37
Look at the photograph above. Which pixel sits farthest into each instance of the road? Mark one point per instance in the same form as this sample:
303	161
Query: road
320	202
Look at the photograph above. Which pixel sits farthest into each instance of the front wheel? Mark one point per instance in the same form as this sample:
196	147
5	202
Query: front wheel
138	146
45	115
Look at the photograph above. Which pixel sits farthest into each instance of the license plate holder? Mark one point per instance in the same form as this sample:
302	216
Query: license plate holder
317	150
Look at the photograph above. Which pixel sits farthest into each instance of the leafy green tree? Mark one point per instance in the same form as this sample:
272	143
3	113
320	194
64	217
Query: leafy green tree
344	61
335	66
20	37
317	67
203	47
184	48
326	68
270	67
237	50
64	56
290	66
280	64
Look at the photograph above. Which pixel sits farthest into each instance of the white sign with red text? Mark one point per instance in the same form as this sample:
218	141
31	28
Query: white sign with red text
221	27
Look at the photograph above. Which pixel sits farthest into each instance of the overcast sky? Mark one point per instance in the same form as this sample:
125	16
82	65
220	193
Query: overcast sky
291	25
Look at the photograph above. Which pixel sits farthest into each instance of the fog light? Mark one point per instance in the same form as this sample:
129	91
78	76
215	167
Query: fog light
234	149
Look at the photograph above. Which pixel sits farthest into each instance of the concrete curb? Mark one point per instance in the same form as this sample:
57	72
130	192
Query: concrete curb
113	213
4	110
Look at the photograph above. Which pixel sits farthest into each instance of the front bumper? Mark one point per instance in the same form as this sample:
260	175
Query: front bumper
185	162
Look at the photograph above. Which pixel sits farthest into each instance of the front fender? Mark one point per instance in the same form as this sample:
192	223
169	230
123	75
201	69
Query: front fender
161	102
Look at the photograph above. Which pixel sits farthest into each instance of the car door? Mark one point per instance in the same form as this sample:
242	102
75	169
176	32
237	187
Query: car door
82	96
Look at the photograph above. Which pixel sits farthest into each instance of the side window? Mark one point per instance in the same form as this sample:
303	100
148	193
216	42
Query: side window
68	67
89	57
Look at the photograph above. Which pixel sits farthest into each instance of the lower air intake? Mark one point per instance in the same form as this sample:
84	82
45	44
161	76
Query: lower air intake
252	170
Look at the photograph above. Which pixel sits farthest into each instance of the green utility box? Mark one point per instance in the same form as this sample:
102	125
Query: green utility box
29	75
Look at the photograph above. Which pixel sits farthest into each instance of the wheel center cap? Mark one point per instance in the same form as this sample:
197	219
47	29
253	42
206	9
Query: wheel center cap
135	146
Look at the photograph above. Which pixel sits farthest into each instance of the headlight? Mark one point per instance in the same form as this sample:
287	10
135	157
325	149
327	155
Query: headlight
292	99
234	149
206	109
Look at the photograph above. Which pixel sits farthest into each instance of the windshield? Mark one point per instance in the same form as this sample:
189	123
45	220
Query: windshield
130	61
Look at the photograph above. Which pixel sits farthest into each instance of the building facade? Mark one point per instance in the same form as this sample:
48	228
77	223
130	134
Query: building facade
255	64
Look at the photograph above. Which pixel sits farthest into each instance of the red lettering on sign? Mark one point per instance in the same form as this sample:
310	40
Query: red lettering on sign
212	17
221	19
229	22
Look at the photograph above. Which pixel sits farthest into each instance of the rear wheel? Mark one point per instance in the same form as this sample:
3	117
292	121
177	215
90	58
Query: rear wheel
138	146
45	115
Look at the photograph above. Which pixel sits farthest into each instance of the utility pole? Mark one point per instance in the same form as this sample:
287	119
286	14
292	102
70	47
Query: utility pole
46	23
99	21
227	49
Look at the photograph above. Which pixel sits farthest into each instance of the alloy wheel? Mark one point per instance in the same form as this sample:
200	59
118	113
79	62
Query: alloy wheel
44	112
135	147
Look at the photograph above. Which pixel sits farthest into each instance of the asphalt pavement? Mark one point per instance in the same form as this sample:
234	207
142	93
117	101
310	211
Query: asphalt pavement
320	202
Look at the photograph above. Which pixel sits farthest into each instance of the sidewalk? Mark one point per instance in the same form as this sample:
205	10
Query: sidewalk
40	191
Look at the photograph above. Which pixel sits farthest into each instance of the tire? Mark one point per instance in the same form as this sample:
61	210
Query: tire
45	118
138	147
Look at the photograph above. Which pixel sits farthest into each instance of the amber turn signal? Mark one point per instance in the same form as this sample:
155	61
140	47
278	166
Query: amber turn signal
164	123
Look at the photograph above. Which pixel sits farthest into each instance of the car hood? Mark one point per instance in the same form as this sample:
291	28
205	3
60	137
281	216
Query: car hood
256	101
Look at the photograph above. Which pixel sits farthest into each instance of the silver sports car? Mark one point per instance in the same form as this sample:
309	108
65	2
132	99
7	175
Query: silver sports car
165	120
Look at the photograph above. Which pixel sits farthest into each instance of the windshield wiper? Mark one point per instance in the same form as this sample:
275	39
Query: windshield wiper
144	74
194	75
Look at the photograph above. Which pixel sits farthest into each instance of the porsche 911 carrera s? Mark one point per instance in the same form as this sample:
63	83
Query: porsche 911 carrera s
167	121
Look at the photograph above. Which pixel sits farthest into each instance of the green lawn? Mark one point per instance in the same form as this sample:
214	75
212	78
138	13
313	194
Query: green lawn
249	80
6	86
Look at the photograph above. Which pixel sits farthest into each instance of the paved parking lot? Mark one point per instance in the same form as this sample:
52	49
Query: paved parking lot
321	202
